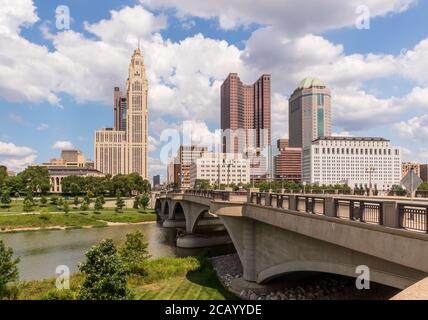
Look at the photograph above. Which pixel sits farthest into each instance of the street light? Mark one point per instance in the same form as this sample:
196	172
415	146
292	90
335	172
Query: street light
370	170
304	187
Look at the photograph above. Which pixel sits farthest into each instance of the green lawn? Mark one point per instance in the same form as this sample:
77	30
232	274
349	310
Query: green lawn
74	219
166	279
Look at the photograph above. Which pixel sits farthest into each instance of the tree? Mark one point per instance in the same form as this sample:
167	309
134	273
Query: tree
66	207
3	175
202	184
84	206
145	201
87	200
98	205
119	203
137	202
5	198
76	201
28	205
134	252
105	277
36	179
54	200
60	201
14	184
8	268
43	201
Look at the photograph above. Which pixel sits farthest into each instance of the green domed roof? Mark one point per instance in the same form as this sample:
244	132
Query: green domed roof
311	82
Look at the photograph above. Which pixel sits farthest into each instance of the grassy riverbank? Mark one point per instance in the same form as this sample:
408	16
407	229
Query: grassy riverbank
166	279
74	219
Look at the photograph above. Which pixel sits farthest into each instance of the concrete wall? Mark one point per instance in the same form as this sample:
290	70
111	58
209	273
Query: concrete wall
271	242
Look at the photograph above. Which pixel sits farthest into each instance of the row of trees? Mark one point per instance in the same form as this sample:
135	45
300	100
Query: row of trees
274	185
105	270
33	179
126	185
37	181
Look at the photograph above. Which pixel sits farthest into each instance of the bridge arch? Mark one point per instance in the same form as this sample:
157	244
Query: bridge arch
165	210
204	213
348	270
178	212
158	206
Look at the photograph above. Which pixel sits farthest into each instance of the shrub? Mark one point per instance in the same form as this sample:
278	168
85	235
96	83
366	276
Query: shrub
59	295
98	205
134	252
104	274
119	204
5	198
8	269
28	205
43	201
54	200
145	201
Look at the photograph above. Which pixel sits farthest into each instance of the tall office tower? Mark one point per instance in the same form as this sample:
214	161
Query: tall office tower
245	111
123	150
281	144
309	113
117	109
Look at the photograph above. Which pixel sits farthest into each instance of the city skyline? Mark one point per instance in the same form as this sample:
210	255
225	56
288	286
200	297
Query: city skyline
373	99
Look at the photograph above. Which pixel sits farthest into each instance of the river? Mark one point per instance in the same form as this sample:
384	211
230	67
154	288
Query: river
42	251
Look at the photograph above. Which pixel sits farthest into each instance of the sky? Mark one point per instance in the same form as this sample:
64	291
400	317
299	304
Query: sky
56	83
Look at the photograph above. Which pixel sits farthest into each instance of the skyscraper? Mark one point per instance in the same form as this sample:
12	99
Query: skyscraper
123	150
309	113
245	112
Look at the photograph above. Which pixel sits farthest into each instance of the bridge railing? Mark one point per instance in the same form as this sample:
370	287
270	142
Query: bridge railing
359	210
411	216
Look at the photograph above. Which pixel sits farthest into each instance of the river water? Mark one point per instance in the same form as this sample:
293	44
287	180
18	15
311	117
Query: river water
42	251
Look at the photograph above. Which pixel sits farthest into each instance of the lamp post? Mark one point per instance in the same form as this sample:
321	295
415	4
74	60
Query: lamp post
370	170
304	187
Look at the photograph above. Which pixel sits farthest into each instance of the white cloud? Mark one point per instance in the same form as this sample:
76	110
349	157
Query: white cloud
16	13
153	143
127	25
16	157
63	144
292	17
415	128
42	127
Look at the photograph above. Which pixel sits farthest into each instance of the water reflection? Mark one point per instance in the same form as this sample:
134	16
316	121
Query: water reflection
42	251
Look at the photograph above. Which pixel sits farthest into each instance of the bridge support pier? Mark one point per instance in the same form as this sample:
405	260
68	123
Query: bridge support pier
249	250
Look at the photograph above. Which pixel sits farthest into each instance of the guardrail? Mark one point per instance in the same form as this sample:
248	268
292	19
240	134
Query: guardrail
412	217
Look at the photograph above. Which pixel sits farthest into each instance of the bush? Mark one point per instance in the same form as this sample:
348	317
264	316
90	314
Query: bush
44	217
8	270
43	201
54	200
145	201
59	295
136	202
5	198
104	274
28	205
98	205
119	204
134	252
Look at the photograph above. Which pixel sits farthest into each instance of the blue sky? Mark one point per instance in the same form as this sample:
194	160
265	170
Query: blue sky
63	80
